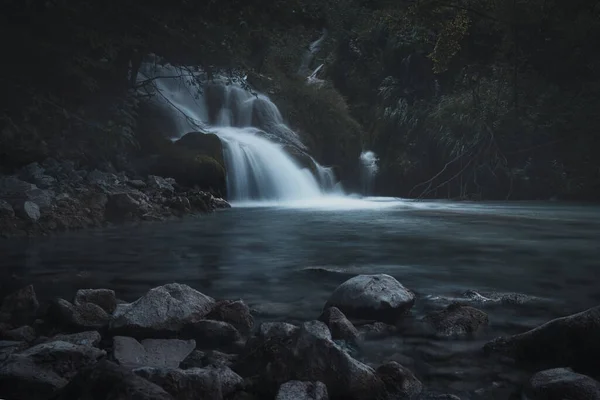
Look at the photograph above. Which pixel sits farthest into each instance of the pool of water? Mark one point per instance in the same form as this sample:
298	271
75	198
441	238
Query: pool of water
285	260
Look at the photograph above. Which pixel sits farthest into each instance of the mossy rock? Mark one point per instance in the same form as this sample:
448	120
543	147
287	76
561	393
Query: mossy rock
192	169
207	144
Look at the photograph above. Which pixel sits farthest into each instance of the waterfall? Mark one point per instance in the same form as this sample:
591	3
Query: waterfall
250	127
309	55
369	168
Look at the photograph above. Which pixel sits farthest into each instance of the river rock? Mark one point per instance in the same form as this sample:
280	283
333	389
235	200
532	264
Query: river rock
456	320
107	380
213	334
20	307
125	206
379	297
499	297
237	313
212	383
16	192
571	340
137	184
296	390
38	372
160	184
104	298
6	210
309	354
196	359
400	383
80	317
267	330
88	338
28	210
21	334
8	347
562	383
338	324
163	311
200	359
219	203
97	177
151	352
31	171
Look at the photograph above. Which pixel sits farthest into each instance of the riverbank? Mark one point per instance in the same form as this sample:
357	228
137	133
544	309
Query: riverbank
177	343
52	196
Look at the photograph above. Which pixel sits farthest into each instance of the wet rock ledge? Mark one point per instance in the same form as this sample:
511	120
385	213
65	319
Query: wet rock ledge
177	343
57	196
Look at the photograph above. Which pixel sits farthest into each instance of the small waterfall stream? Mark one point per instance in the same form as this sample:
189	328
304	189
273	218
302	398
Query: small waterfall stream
369	169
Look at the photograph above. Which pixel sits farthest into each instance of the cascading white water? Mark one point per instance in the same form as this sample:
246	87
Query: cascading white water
252	131
369	169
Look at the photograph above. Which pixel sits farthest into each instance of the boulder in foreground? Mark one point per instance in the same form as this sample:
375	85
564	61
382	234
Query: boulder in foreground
151	352
162	312
107	380
571	340
379	297
562	383
296	390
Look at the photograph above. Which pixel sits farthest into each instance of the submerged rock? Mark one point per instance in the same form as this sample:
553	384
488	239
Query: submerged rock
379	297
456	320
161	312
107	380
296	390
237	313
571	341
20	307
306	354
340	327
562	383
196	383
151	352
104	298
400	383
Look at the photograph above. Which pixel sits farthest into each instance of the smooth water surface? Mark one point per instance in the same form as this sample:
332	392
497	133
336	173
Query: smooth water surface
285	261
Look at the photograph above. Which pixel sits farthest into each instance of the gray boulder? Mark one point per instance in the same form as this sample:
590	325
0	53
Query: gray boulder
200	359
340	327
212	383
562	383
8	347
160	184
78	318
237	313
296	390
20	307
88	338
137	184
400	383
125	206
38	372
104	298
213	334
162	312
456	320
151	352
571	340
6	210
379	297
97	177
309	354
27	210
107	380
21	334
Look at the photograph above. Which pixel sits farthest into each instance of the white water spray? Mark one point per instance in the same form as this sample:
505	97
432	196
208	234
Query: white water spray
369	169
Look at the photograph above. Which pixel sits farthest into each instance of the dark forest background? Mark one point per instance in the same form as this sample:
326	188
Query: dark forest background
469	99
